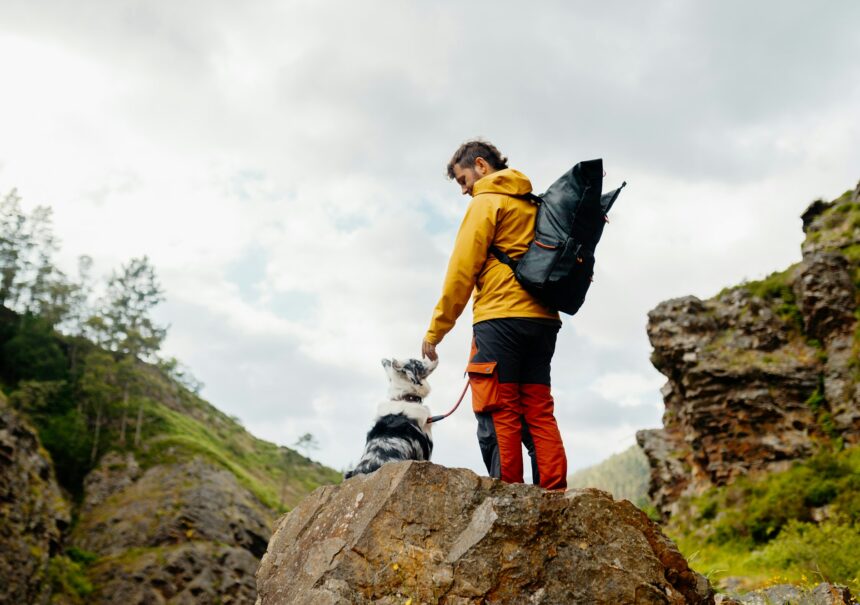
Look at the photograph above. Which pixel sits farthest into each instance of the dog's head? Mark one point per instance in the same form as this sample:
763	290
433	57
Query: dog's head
408	376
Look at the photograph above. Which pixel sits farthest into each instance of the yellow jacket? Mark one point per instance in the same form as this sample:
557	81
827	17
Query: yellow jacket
493	217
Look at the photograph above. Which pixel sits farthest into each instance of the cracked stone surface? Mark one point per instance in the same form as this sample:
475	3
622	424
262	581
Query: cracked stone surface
757	376
419	531
33	513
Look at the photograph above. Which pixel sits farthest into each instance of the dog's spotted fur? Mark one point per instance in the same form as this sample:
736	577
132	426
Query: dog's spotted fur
400	430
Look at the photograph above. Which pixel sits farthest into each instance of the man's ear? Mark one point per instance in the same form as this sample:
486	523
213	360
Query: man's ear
482	167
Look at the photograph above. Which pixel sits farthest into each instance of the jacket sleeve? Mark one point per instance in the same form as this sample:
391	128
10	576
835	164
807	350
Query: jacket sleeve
470	253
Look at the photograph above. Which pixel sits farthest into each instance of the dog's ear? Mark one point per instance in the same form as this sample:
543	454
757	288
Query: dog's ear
397	364
386	363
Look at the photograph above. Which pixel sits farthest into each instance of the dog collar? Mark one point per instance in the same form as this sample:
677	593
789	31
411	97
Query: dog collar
413	398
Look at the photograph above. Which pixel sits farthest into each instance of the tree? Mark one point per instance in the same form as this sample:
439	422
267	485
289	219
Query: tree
100	388
307	443
33	352
29	282
181	374
126	324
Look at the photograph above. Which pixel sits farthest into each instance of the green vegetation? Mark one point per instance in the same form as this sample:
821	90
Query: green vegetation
259	466
624	475
88	375
776	289
837	225
802	524
68	577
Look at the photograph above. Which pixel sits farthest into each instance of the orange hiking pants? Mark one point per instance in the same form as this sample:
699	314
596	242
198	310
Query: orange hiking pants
509	372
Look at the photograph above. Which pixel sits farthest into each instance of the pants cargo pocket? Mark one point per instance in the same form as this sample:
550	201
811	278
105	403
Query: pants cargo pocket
485	385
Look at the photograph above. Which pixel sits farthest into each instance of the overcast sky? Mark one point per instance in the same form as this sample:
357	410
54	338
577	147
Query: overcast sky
282	164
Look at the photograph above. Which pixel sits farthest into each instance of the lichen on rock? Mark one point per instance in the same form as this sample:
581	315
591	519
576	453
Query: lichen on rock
33	513
429	534
759	373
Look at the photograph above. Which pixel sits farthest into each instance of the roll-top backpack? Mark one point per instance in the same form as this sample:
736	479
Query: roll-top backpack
558	266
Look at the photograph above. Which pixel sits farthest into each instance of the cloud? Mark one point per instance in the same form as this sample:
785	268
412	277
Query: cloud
627	389
283	166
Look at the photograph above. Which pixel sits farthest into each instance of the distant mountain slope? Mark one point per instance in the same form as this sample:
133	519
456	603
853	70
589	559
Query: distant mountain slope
623	475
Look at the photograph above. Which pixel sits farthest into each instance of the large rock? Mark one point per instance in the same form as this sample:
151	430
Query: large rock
191	573
176	533
828	301
761	371
175	503
33	513
421	533
739	377
788	594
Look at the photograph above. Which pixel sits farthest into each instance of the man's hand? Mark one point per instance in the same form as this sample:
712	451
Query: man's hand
428	350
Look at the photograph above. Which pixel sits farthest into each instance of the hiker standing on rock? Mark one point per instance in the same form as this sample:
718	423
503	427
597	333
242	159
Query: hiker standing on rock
514	334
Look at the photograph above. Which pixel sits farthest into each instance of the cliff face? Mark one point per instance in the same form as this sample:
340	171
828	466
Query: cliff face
759	373
33	513
175	533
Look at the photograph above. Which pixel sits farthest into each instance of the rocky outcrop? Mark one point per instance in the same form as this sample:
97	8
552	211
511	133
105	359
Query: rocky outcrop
420	533
114	473
185	532
760	372
192	572
33	513
176	503
788	594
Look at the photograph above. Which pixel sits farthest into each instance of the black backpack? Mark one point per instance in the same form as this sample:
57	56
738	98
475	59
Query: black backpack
557	268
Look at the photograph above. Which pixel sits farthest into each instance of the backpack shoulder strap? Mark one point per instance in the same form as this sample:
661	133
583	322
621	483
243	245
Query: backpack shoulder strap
504	258
494	250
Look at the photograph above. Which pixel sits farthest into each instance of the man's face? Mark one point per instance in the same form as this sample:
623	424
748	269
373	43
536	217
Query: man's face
466	177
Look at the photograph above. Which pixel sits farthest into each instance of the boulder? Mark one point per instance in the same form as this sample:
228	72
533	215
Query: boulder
788	594
186	532
33	513
192	573
761	372
738	377
416	532
169	504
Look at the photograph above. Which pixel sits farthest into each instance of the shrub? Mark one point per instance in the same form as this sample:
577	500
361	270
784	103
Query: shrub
33	353
69	578
827	550
753	510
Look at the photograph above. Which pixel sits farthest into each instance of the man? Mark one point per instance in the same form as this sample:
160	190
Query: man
514	335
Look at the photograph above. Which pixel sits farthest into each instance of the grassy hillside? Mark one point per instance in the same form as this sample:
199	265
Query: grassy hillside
800	526
624	475
81	413
185	425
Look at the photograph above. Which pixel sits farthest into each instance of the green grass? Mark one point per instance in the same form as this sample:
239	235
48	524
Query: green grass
259	466
68	577
764	528
776	290
836	225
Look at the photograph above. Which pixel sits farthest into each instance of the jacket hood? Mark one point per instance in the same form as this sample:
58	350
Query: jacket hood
507	181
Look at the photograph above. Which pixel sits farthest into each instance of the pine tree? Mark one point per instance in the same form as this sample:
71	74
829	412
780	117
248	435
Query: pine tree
125	325
29	281
100	389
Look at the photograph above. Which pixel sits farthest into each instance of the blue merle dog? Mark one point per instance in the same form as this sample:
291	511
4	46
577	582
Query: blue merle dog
400	430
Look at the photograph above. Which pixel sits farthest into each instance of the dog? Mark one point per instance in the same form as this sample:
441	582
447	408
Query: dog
400	430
